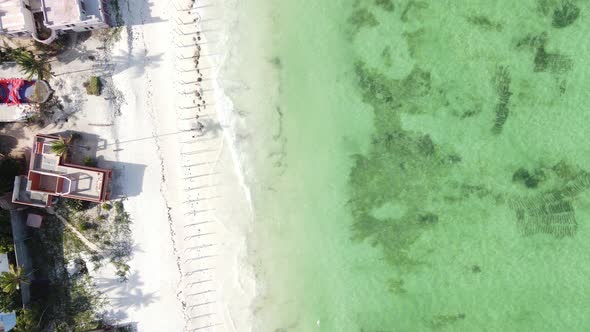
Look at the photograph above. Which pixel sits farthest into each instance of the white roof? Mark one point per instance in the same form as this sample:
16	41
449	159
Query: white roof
11	16
62	12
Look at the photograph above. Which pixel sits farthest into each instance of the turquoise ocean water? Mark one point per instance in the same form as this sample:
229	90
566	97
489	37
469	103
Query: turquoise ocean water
424	165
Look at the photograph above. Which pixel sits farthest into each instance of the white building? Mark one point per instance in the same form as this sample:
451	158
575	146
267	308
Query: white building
44	19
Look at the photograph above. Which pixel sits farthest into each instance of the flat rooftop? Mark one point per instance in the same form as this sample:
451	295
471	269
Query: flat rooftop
61	12
82	182
11	16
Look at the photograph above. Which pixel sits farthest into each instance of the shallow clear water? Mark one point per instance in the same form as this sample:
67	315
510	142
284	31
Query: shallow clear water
424	166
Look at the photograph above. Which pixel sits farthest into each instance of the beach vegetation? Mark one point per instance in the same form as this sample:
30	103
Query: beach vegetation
9	302
26	321
68	300
6	54
108	226
72	204
89	161
61	146
11	280
31	65
93	86
6	241
565	14
56	47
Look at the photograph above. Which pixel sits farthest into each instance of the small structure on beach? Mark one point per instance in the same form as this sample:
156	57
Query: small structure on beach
50	176
17	97
44	19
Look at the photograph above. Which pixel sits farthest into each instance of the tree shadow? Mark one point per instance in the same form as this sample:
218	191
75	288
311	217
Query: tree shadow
127	177
137	12
130	293
125	61
7	144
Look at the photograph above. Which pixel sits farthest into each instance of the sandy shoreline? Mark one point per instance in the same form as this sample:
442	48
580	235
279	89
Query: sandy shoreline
202	214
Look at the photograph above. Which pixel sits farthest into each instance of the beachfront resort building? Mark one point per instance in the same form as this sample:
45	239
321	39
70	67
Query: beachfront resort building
44	19
50	176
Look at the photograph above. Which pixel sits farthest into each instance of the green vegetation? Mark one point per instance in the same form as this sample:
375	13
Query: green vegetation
6	241
26	321
62	146
89	161
31	65
10	281
75	205
71	302
106	225
93	86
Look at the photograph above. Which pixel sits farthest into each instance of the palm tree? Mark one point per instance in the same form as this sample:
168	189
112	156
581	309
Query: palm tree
32	65
10	281
61	146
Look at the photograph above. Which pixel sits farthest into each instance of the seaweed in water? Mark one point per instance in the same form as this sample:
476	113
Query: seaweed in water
502	82
565	14
530	180
551	212
361	18
396	286
426	145
484	22
533	41
411	5
387	5
386	55
441	321
553	62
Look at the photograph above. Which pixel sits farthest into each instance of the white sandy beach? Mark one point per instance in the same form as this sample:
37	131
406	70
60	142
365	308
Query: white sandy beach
190	215
183	188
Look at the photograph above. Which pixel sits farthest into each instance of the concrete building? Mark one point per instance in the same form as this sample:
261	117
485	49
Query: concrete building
43	20
49	176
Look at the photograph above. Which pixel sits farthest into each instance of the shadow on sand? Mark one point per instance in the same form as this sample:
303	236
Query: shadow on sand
127	177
